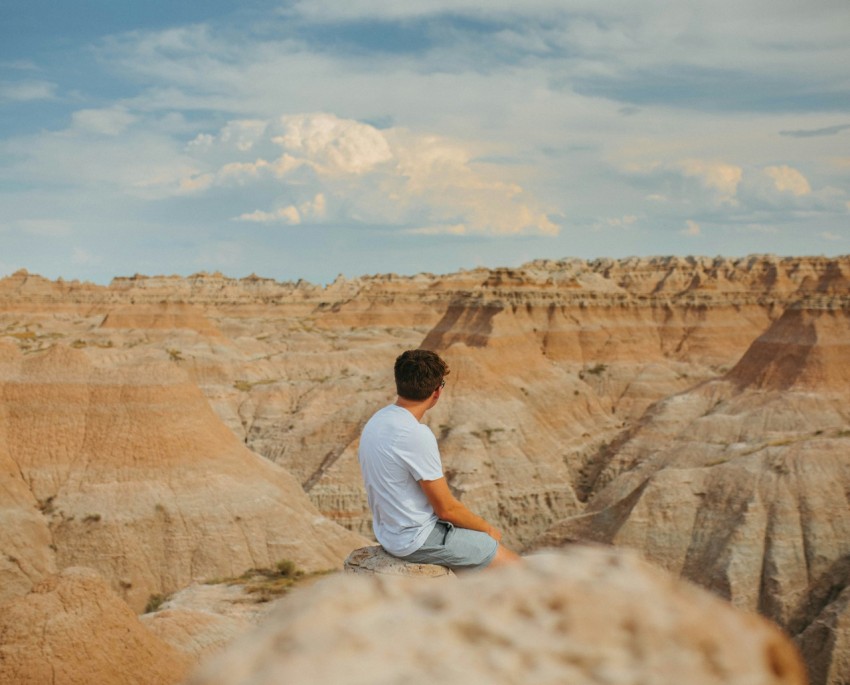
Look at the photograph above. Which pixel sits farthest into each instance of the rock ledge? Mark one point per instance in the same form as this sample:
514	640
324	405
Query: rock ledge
374	560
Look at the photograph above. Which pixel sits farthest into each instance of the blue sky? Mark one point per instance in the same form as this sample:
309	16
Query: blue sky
305	139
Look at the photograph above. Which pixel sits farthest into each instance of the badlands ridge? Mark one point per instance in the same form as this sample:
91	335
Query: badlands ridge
166	431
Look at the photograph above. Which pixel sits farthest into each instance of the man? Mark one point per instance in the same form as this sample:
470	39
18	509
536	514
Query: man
414	514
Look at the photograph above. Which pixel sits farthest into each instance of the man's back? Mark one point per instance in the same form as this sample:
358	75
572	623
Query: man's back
414	513
396	451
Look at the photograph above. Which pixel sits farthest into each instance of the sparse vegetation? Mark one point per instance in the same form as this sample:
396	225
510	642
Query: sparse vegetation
91	518
78	344
265	584
598	369
155	601
287	568
246	386
46	505
489	432
174	355
29	341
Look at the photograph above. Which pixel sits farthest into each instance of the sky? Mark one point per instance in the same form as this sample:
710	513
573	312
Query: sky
311	138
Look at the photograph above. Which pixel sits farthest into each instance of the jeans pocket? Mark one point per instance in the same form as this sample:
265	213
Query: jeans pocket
449	530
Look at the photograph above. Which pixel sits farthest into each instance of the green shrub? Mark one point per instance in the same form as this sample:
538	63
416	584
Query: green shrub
155	601
286	568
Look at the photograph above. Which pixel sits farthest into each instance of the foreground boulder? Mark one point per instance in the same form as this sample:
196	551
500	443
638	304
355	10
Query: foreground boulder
584	616
73	630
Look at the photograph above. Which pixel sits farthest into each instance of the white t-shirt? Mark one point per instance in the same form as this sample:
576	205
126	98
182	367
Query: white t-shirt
396	452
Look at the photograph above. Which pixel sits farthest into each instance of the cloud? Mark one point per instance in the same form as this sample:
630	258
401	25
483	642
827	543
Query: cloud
342	10
239	135
110	121
334	146
827	235
623	222
788	180
692	228
19	64
815	132
27	91
445	229
720	177
292	215
288	215
367	176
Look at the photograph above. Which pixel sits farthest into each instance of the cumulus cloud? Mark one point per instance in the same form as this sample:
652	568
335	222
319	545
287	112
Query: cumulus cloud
241	135
292	215
427	183
287	215
788	180
720	177
692	228
334	146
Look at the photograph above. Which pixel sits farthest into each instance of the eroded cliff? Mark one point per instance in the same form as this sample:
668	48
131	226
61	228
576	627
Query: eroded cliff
693	408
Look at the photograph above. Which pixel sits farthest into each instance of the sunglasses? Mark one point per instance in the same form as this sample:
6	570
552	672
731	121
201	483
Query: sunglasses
442	385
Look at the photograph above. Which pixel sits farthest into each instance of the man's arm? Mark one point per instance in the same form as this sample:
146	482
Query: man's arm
448	508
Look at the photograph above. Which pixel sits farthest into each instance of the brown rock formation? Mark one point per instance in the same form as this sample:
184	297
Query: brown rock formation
72	630
594	393
806	349
589	616
195	633
741	484
826	642
139	479
166	316
25	554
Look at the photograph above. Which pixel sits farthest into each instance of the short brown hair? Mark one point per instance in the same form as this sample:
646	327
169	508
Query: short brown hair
418	373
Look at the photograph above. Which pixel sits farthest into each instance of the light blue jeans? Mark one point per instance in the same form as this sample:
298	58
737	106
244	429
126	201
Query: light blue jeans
458	548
